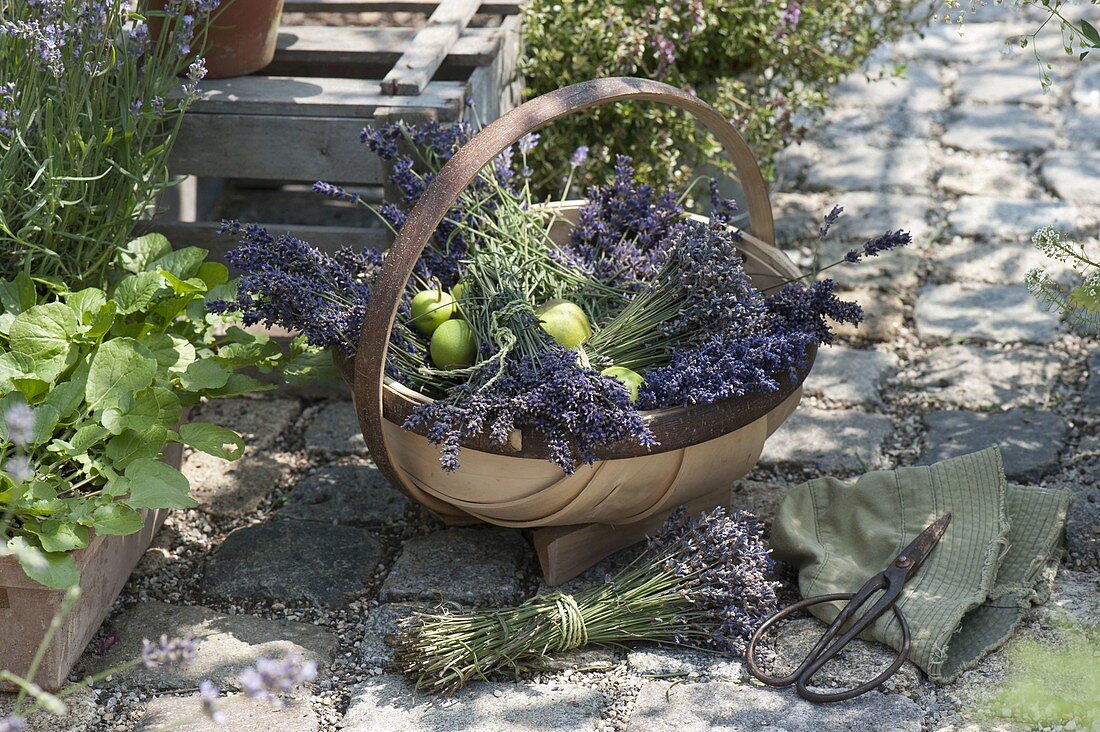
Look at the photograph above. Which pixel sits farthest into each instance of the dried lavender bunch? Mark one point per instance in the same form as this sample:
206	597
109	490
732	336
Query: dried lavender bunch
703	582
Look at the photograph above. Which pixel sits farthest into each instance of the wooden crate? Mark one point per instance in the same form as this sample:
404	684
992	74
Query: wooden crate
298	120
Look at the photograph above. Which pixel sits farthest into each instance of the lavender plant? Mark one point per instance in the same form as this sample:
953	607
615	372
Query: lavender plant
90	105
703	582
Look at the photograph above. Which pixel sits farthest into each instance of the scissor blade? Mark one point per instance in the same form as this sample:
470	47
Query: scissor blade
914	555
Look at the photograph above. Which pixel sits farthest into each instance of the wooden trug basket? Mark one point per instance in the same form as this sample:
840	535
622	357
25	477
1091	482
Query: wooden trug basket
629	491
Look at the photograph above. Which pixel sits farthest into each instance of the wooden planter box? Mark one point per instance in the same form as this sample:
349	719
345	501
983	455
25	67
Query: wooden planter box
27	608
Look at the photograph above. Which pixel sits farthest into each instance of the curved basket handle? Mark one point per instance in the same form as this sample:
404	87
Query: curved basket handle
453	178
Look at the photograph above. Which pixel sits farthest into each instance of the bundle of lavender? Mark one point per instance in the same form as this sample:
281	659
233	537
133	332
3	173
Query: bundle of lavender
702	582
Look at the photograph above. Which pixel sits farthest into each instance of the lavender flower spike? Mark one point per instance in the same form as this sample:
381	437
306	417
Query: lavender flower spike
12	723
270	677
20	422
830	219
167	651
208	694
882	243
579	156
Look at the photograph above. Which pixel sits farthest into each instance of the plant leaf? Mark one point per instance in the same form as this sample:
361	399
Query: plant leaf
45	332
120	368
60	536
183	263
14	365
204	374
87	303
138	254
87	436
131	446
212	439
52	569
136	292
1091	33
115	519
213	274
154	484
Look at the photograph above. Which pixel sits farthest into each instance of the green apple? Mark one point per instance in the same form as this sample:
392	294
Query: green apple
456	295
632	380
453	345
565	322
430	309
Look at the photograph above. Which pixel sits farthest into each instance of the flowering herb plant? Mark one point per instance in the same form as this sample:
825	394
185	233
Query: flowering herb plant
703	582
90	104
640	307
1080	304
95	384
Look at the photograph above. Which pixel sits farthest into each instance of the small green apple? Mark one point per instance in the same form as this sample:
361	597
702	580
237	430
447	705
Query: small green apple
456	295
453	345
632	380
565	322
430	309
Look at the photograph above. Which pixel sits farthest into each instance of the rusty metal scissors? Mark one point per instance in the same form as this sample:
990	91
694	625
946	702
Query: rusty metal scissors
890	582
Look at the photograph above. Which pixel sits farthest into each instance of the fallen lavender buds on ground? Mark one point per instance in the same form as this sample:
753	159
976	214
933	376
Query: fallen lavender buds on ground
703	582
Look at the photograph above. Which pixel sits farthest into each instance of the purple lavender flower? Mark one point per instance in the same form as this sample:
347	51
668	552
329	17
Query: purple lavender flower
726	565
722	210
790	17
575	408
270	677
881	243
196	72
665	52
12	723
830	219
620	232
339	193
579	156
287	282
20	421
208	695
167	651
528	142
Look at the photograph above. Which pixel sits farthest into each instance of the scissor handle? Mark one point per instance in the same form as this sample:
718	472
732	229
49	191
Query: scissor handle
826	649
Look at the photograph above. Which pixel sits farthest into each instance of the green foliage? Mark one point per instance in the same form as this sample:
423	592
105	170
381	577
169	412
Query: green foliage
90	105
1050	686
767	66
108	374
1080	304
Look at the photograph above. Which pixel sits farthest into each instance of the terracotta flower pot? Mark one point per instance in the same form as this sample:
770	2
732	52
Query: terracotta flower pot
242	37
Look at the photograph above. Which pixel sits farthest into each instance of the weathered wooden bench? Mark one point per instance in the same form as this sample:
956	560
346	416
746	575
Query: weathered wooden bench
298	120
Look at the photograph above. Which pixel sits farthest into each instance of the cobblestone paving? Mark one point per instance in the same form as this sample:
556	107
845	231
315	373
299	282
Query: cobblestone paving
301	547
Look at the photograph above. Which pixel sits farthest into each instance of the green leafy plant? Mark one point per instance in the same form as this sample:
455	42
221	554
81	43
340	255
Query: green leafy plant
768	67
90	104
107	376
1080	304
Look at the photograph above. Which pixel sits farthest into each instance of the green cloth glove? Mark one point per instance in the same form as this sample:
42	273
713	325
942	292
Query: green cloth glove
999	556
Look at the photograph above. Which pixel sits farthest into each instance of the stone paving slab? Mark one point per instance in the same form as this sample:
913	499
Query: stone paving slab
993	128
226	645
892	271
474	566
1074	174
240	487
850	376
1080	128
973	377
660	661
918	89
876	125
840	440
1000	81
1086	87
1090	400
991	217
335	430
1030	441
760	497
866	214
358	495
1076	594
720	706
293	562
966	173
1083	527
182	714
380	622
994	262
905	167
81	716
389	703
1002	313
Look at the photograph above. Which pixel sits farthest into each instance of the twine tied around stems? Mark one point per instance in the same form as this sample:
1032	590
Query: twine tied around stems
569	623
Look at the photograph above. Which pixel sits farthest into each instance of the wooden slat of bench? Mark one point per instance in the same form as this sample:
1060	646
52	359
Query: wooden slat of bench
412	72
309	44
204	234
319	97
274	147
499	7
